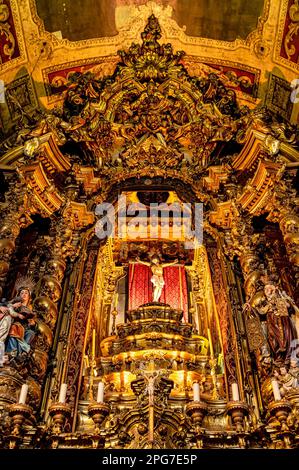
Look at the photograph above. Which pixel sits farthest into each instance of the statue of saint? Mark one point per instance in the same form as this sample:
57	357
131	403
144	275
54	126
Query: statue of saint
294	371
18	321
286	380
281	330
157	278
7	316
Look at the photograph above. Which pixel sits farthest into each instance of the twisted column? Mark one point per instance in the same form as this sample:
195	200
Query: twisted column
242	242
284	211
289	226
14	216
49	290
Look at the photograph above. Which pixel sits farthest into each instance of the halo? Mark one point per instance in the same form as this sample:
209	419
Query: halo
24	282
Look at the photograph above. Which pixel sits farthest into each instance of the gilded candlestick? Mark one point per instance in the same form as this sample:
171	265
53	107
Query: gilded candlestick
59	413
98	411
18	413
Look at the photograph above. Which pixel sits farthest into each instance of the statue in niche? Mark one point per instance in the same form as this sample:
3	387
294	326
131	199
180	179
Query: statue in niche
18	324
270	329
157	278
281	330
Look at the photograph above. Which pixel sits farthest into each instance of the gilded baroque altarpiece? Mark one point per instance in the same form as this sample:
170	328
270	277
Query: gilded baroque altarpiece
215	363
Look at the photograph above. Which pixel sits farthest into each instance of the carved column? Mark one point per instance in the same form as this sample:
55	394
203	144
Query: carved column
242	243
284	211
289	226
50	288
63	246
196	273
9	231
14	216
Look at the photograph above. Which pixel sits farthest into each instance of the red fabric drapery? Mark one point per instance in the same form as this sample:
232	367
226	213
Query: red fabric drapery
139	285
174	292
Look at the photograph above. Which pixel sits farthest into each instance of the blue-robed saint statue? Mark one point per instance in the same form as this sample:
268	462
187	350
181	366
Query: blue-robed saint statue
17	321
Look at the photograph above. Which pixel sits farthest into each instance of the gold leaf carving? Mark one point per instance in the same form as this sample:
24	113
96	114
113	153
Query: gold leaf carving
293	30
9	48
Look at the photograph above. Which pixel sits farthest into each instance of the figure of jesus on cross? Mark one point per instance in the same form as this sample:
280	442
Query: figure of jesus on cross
157	278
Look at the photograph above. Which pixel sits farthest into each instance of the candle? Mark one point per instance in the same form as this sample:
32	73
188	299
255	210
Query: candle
116	301
100	397
276	391
196	396
235	392
93	347
23	394
62	394
211	344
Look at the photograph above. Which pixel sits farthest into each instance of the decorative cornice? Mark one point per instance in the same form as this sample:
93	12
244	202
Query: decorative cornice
256	193
44	191
78	215
252	149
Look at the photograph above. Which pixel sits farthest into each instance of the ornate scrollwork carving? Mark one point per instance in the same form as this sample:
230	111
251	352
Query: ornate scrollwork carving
5	29
293	28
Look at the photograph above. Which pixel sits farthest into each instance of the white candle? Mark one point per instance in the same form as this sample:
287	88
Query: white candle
276	391
93	344
235	392
100	397
211	344
116	301
196	396
62	394
23	394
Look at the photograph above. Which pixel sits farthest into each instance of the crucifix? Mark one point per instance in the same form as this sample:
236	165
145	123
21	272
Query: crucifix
157	278
150	376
